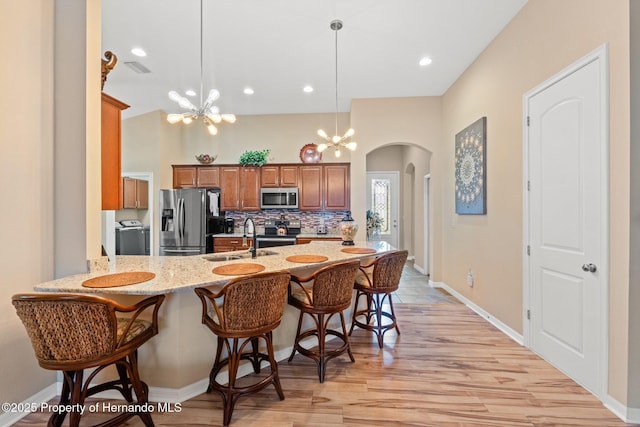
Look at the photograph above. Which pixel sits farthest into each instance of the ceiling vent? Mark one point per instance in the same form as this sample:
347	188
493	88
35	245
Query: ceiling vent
137	67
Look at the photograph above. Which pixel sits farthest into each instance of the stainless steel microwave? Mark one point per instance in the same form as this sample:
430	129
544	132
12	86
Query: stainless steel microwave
279	198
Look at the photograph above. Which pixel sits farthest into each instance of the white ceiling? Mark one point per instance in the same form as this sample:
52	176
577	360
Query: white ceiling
279	46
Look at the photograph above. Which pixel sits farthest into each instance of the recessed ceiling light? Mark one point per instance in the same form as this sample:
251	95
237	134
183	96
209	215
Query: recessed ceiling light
425	61
137	51
308	89
248	91
191	92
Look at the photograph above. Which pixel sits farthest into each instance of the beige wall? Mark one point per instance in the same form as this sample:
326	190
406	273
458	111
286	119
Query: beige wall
26	182
545	37
283	134
417	124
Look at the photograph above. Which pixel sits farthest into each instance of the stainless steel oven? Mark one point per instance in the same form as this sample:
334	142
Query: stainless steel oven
278	233
264	241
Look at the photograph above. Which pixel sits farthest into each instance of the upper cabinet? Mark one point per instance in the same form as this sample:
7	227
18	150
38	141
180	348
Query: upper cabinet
240	188
189	176
111	157
279	176
322	187
135	193
325	187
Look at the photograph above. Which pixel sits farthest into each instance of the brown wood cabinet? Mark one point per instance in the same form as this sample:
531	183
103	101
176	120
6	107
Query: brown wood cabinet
304	240
111	152
191	176
337	191
240	188
227	244
325	187
279	176
208	176
135	193
310	190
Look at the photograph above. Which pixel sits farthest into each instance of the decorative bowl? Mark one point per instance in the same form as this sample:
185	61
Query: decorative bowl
206	159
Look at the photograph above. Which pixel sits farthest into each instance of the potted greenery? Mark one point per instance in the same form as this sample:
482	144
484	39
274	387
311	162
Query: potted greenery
254	157
374	222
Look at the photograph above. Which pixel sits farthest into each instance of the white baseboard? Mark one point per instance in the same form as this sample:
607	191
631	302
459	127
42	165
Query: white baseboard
46	394
625	413
487	316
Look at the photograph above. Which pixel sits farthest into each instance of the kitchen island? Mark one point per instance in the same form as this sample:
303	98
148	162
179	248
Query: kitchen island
176	362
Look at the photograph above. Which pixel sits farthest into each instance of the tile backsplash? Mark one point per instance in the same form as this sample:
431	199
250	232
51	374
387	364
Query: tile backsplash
309	220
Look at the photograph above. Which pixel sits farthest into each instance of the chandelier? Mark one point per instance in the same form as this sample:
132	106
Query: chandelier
209	113
336	141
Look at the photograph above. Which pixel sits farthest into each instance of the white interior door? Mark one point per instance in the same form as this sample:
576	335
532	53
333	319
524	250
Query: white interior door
567	143
383	197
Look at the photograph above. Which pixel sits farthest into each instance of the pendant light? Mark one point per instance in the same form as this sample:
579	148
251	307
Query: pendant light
336	141
209	113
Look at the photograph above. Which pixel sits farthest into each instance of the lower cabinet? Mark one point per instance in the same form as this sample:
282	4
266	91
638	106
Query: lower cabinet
304	240
227	244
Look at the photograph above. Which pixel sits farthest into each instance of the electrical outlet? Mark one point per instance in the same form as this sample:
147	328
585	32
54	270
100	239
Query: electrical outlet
470	278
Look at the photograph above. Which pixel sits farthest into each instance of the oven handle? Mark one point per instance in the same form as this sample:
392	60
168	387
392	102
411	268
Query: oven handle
276	239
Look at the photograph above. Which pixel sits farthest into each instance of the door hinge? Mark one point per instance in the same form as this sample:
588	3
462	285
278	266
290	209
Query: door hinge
528	314
528	250
528	120
528	185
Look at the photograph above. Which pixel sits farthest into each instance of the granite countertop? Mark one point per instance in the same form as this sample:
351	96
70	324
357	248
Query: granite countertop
183	273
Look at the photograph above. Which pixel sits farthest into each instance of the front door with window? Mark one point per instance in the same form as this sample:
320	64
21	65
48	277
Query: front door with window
383	199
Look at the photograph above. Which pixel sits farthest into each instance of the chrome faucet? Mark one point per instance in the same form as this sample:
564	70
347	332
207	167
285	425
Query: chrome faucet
252	249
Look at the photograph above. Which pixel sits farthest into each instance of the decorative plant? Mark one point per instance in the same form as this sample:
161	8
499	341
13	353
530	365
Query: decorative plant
254	157
374	222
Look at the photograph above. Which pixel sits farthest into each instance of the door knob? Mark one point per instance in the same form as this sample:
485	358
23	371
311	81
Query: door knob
591	268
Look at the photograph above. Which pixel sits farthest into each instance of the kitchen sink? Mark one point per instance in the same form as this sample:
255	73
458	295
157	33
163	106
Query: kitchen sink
242	255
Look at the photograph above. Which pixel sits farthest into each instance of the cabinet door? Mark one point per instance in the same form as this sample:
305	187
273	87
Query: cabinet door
129	200
337	195
230	188
142	193
208	176
111	160
270	176
289	176
310	188
250	188
184	176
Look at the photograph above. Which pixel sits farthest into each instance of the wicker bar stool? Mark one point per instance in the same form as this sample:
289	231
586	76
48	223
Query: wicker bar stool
242	312
73	332
329	294
377	280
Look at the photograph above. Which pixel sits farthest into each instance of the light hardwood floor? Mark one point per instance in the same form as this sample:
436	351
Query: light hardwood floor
449	367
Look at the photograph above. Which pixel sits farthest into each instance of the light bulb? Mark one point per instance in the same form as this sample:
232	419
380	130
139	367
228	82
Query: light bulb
338	153
186	104
322	147
322	134
335	139
174	96
229	118
186	120
349	133
352	146
174	118
215	118
213	95
212	129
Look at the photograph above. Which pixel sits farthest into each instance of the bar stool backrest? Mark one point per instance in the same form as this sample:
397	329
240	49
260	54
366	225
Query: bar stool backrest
333	285
388	269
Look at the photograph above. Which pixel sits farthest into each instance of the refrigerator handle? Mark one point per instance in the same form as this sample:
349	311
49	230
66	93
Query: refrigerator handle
182	219
179	220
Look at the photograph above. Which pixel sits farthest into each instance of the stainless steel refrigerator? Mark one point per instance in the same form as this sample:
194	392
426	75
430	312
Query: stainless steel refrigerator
189	219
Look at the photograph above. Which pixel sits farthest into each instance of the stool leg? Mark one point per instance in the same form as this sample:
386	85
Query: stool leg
322	365
393	314
295	342
255	356
355	312
346	338
378	314
139	388
229	399
216	362
57	418
76	397
274	365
